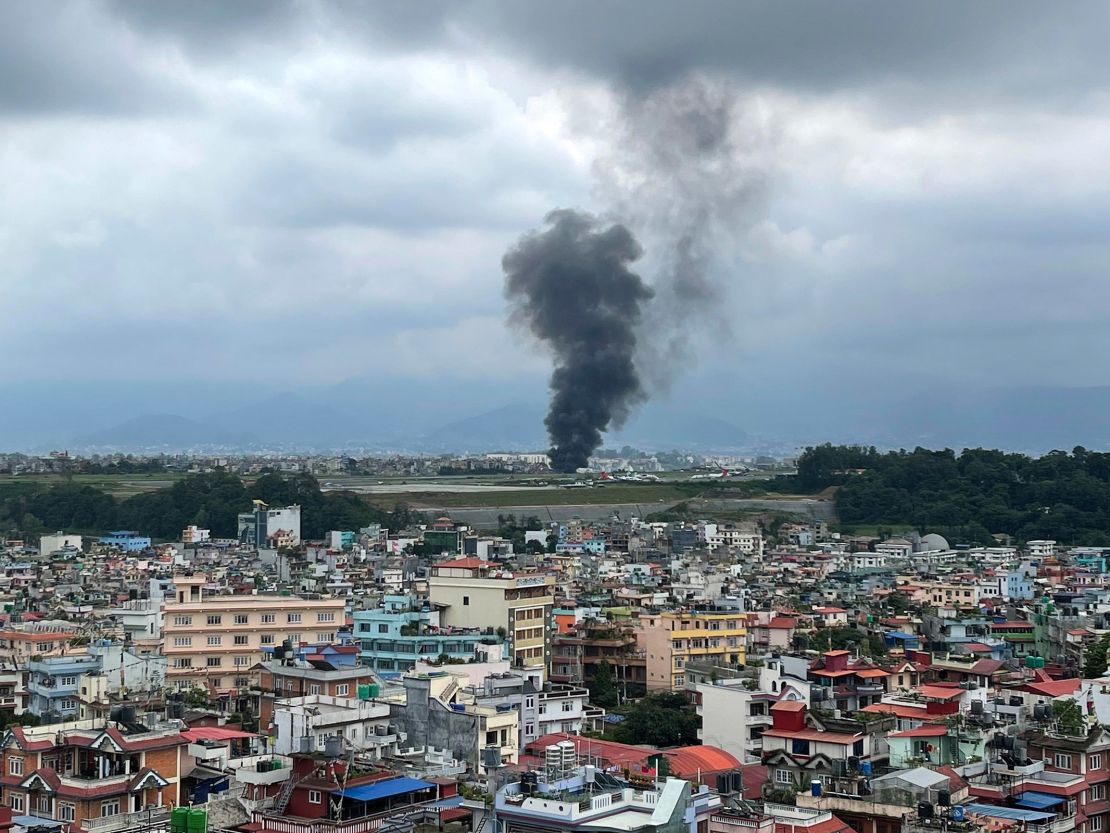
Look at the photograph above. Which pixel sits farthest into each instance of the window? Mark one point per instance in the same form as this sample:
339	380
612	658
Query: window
269	618
529	729
799	747
67	811
783	776
1094	823
182	641
529	702
241	639
314	689
183	662
1062	761
295	638
267	639
568	706
1094	761
67	681
16	802
242	682
1097	793
183	620
109	808
313	796
242	619
214	662
15	766
324	636
216	682
383	628
325	617
241	661
293	618
214	640
215	619
342	690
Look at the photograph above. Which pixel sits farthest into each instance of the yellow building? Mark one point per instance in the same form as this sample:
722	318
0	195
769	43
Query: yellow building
214	641
479	594
673	638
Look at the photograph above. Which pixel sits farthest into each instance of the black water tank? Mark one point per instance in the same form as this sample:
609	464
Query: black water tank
944	798
924	810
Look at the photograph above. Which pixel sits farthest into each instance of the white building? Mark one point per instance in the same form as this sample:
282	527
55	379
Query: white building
1041	549
303	724
60	541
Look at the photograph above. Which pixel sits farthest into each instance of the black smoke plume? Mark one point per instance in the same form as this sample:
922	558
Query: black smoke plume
570	284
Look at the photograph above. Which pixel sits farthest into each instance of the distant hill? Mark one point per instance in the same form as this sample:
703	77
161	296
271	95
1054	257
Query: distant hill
292	419
161	432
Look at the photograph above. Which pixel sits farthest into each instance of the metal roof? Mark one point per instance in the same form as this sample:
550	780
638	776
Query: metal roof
1013	813
385	789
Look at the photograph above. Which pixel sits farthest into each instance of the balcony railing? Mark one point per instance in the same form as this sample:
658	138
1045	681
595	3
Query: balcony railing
152	816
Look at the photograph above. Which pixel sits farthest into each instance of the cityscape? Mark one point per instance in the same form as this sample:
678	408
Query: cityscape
516	417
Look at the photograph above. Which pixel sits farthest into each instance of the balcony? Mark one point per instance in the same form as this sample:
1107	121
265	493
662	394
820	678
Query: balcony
1060	824
147	819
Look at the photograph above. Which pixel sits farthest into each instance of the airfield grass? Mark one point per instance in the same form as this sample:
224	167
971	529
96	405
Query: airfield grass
117	485
615	493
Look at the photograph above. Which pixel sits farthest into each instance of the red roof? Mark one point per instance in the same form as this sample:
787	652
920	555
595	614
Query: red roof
932	731
1053	688
789	706
833	825
690	760
917	712
466	563
782	622
941	692
753	777
606	750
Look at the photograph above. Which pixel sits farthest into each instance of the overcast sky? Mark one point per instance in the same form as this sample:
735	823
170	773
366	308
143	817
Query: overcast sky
310	192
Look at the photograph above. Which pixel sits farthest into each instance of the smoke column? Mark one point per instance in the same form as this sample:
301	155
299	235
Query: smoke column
571	286
686	166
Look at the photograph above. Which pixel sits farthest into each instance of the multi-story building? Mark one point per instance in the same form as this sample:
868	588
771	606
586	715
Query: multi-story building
303	725
671	638
442	715
58	541
552	709
266	526
280	680
733	717
216	641
85	772
82	686
841	682
17	647
593	799
576	655
405	630
125	539
480	594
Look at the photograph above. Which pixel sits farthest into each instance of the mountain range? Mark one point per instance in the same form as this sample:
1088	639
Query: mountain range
454	416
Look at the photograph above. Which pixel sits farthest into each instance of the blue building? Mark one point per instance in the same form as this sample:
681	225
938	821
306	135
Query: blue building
393	637
54	685
126	540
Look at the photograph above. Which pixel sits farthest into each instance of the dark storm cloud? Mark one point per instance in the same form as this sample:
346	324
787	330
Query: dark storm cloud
70	58
1015	47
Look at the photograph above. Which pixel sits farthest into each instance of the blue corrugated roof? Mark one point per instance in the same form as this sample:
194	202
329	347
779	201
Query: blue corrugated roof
385	789
1014	813
1039	800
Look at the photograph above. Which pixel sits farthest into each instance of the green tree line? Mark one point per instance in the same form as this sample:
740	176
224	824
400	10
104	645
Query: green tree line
967	496
211	501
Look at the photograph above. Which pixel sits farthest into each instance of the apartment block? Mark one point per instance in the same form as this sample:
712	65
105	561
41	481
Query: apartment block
672	638
215	642
472	593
